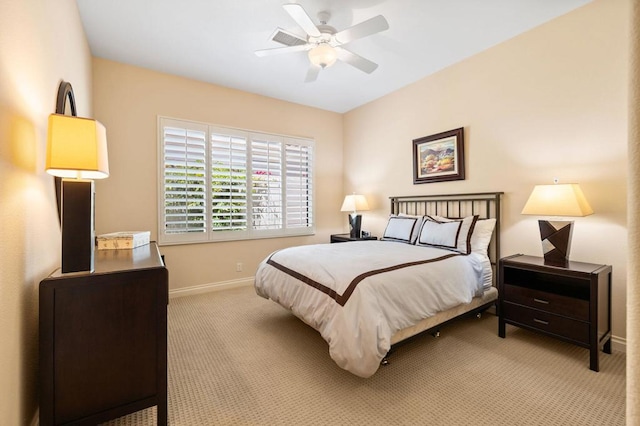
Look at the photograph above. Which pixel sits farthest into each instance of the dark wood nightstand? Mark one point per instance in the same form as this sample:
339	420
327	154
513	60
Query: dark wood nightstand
103	339
343	238
571	303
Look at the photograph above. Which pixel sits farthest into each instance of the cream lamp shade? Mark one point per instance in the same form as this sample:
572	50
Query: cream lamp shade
323	55
353	203
557	200
76	148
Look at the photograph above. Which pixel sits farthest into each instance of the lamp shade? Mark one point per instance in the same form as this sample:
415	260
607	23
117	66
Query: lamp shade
354	203
557	200
323	55
76	148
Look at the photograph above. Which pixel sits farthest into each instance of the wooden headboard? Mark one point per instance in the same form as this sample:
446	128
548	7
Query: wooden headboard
485	204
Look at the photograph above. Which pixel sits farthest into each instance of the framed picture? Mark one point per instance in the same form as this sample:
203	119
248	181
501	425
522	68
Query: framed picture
439	158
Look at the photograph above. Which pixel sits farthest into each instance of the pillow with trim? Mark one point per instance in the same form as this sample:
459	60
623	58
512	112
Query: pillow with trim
416	229
481	235
448	234
402	229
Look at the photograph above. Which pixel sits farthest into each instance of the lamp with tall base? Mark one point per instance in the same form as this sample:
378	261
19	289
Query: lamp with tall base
353	203
557	200
77	153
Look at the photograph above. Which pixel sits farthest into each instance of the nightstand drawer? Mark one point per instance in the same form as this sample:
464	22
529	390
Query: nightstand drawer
574	330
549	302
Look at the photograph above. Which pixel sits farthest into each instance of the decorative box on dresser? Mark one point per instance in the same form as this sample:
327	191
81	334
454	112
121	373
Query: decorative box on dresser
571	302
103	339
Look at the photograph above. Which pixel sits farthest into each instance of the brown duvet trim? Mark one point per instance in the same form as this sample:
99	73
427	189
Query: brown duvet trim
342	299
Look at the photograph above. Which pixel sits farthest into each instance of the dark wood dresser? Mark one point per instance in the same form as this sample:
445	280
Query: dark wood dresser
571	302
103	339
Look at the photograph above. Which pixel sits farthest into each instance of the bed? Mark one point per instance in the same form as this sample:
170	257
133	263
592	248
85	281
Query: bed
435	262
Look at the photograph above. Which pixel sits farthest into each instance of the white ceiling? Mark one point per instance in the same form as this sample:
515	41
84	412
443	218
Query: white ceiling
214	40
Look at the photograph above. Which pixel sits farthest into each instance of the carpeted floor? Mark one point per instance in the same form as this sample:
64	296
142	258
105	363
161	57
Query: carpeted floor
238	359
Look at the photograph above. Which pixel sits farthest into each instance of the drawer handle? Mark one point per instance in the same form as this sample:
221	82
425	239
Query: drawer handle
544	302
541	321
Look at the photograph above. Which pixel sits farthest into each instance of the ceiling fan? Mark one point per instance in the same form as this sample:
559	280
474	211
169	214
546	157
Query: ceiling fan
323	42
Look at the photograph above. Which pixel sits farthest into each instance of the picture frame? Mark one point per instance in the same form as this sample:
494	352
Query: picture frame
439	157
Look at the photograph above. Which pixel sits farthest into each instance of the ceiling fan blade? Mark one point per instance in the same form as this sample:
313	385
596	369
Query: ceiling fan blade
278	50
299	15
363	29
356	60
312	73
288	39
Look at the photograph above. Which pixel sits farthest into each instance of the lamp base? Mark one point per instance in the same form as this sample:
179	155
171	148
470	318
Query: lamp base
355	221
77	220
556	241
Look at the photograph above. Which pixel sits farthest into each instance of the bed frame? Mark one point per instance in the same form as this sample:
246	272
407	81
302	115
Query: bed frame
486	205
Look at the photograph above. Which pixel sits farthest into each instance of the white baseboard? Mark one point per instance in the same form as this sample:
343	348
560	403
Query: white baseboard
205	288
618	344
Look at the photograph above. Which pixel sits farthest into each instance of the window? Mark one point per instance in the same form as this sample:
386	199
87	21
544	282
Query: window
221	184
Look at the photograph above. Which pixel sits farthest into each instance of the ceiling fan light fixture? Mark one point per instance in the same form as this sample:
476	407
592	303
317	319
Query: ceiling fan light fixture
323	55
323	44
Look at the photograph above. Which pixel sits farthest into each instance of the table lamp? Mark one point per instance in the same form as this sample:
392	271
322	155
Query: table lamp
557	200
77	152
353	203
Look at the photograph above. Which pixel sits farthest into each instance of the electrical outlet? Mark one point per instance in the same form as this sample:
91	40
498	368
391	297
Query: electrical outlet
239	267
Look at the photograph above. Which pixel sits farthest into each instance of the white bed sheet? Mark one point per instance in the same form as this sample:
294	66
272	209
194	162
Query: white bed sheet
359	294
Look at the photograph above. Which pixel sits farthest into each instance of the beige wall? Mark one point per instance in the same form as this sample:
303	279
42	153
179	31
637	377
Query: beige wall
549	103
633	285
41	43
127	100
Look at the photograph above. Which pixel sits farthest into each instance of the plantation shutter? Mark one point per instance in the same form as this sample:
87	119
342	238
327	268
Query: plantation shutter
228	182
184	180
223	184
299	182
266	182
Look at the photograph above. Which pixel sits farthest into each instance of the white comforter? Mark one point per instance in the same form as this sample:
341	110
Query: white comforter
358	294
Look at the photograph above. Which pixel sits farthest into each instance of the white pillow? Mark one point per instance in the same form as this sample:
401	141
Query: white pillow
402	228
440	234
481	236
416	229
450	234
